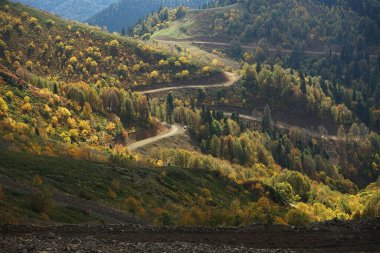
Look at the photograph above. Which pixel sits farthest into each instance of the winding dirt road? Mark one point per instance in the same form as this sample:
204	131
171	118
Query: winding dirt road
174	130
249	47
177	130
231	79
283	125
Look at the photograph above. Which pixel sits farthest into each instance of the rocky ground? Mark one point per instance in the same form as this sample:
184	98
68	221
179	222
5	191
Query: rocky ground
331	236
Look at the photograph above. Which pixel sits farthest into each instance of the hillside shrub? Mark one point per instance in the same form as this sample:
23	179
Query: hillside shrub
297	217
29	65
41	201
33	22
50	23
372	208
3	107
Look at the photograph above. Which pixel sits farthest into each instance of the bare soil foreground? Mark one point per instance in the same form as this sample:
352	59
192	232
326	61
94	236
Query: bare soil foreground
331	236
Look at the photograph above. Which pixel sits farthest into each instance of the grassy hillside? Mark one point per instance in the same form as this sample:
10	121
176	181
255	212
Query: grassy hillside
67	112
167	195
124	14
167	23
282	23
195	24
309	36
65	51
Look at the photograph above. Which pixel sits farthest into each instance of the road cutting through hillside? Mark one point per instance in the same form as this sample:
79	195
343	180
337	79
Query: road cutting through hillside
177	129
231	79
250	47
174	130
283	125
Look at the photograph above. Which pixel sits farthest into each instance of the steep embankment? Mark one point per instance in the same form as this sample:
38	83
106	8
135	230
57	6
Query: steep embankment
109	192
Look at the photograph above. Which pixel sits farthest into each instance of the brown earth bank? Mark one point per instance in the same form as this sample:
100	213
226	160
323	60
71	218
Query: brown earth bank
147	133
330	236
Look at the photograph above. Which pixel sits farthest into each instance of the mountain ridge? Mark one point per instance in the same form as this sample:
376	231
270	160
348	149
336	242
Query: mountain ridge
125	13
70	9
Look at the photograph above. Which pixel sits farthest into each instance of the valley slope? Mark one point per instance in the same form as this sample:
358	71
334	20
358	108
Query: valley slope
125	13
77	105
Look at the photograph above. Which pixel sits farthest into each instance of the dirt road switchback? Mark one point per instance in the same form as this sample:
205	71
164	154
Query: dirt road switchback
231	79
174	130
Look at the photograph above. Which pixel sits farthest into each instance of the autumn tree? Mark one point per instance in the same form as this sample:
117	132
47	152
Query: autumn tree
297	217
127	111
111	98
286	191
114	47
215	146
3	107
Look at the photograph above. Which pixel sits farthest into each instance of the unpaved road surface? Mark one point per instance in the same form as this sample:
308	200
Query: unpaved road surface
331	236
174	130
196	41
231	79
283	125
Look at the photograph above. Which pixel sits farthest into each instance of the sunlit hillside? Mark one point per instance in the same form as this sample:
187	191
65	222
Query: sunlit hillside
242	126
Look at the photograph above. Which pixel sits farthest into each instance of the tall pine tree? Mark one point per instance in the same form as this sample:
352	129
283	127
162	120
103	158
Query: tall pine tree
169	107
267	124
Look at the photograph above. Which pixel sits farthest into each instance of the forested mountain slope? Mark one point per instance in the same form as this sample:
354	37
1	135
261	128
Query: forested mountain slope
337	41
125	13
70	9
69	51
68	111
69	81
283	23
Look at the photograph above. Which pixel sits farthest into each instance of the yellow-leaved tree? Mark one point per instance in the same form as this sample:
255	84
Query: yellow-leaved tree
3	107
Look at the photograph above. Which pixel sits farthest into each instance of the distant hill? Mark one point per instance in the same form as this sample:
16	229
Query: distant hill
282	23
126	13
336	40
71	9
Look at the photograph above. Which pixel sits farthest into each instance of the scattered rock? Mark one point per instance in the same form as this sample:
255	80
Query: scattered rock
335	235
51	235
